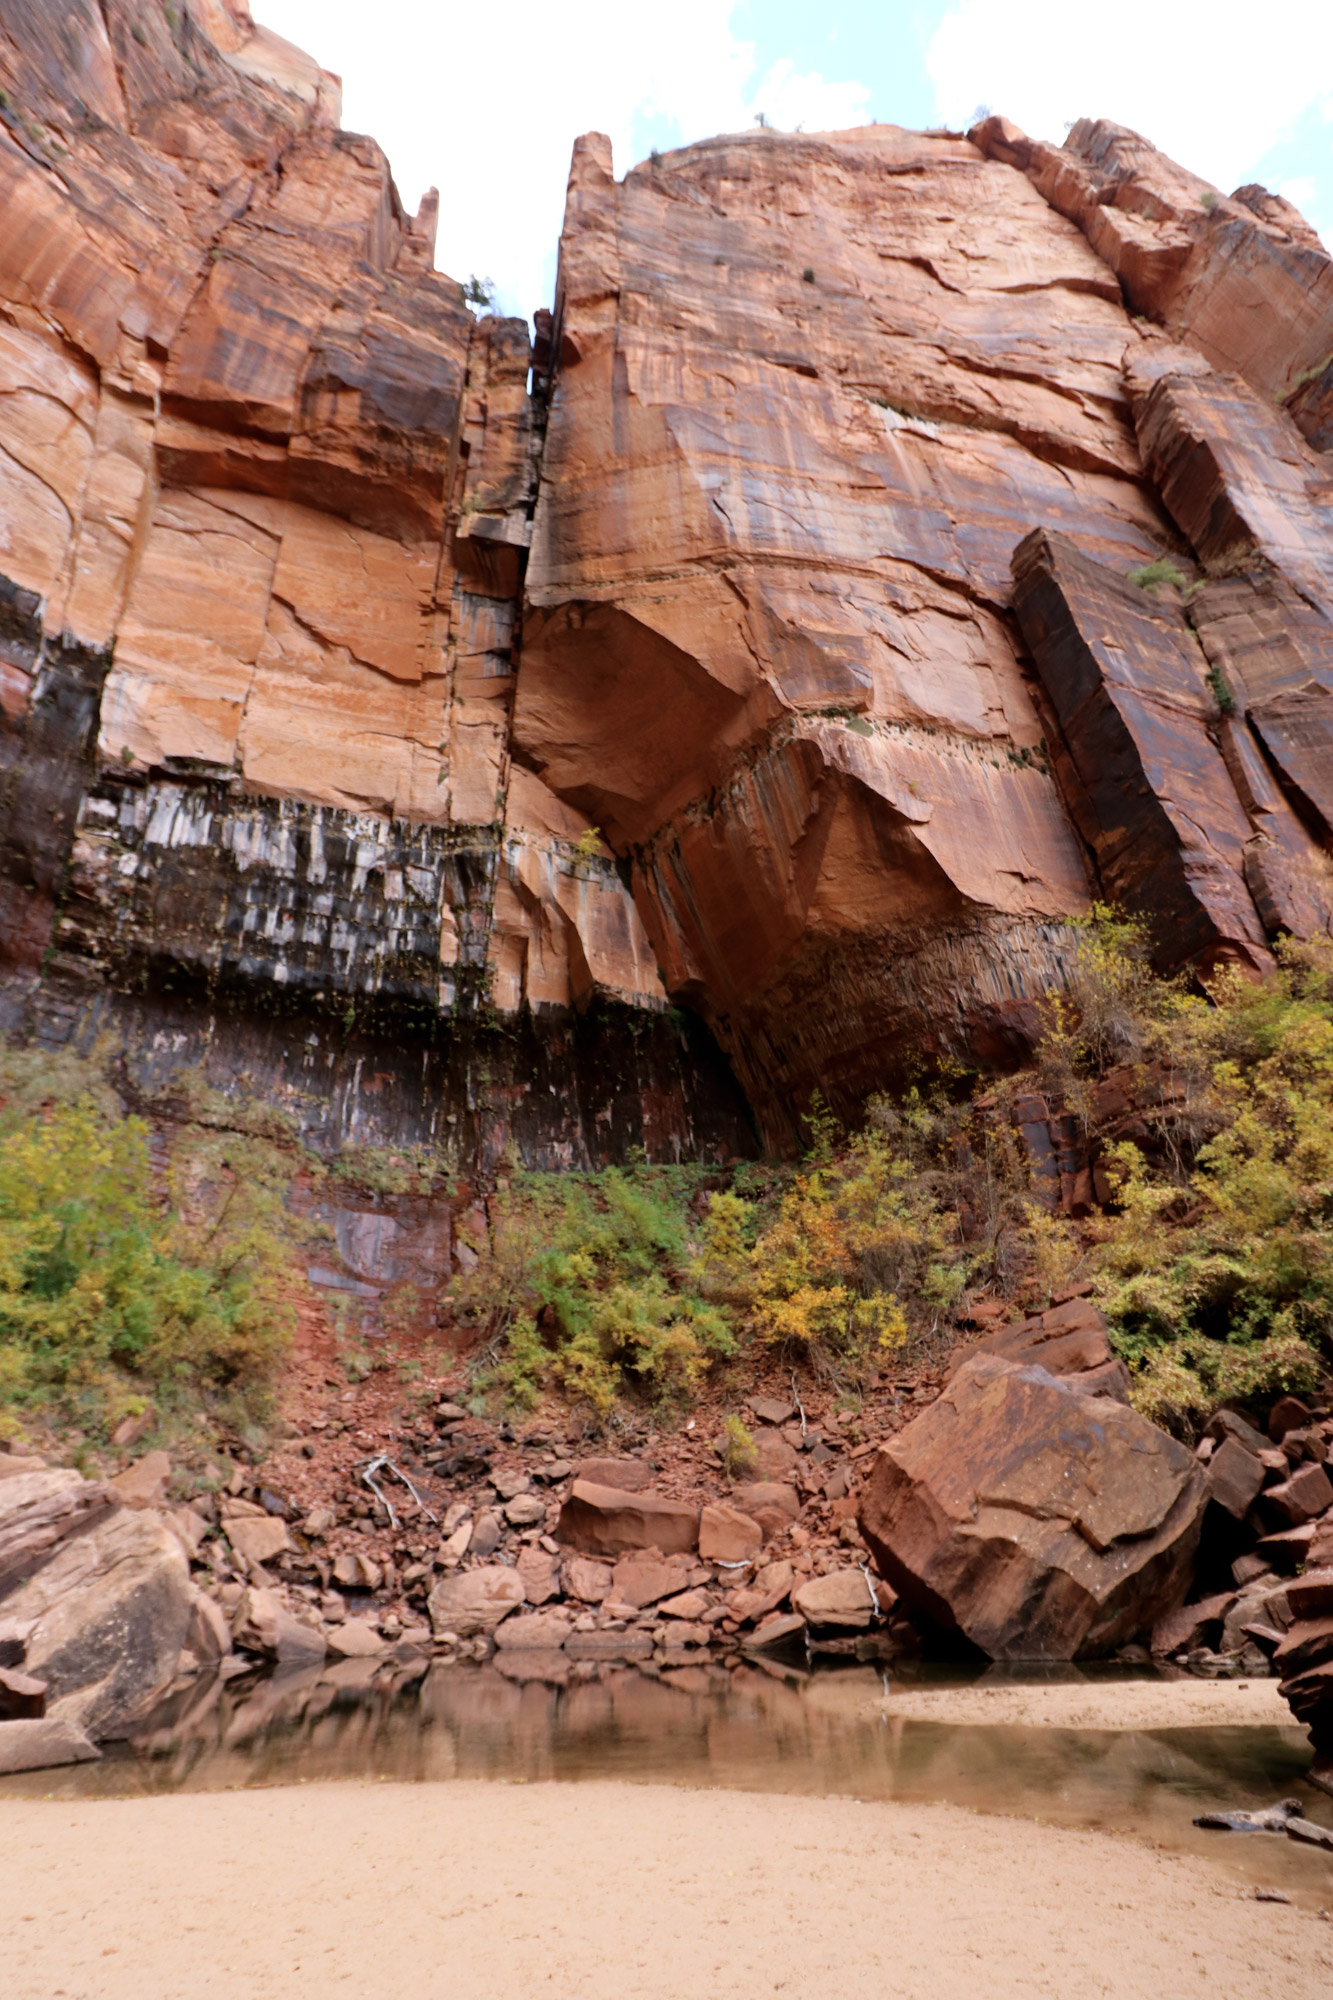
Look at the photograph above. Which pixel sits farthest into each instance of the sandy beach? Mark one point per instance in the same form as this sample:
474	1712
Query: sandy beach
610	1892
1182	1704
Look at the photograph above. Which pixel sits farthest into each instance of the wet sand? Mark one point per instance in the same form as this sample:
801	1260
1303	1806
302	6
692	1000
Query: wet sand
610	1892
1182	1704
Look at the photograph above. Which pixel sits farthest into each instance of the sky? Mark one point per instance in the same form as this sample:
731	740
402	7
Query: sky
484	102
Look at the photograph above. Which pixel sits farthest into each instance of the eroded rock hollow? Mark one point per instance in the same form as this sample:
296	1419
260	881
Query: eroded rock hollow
610	739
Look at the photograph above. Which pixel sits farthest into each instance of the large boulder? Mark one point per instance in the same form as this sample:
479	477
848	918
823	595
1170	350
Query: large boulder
39	1511
607	1521
476	1601
1038	1521
104	1621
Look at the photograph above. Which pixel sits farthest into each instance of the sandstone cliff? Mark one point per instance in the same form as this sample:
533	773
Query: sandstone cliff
402	718
854	441
265	491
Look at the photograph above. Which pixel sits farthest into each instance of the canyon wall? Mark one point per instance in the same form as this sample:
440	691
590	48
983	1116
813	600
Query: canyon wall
514	746
265	499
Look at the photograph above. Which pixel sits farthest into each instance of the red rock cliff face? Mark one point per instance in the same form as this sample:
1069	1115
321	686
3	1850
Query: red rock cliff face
390	737
815	397
265	497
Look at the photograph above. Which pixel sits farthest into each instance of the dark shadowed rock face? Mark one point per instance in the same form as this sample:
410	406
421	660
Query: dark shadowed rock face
1149	787
1035	1520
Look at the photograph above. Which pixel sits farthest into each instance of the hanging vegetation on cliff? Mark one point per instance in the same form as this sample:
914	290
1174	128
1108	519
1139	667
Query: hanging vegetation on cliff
118	1282
1211	1253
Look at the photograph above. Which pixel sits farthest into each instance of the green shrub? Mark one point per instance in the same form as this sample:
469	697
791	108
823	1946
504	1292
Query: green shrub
108	1288
586	1286
1148	576
597	1284
1225	1271
1222	695
738	1452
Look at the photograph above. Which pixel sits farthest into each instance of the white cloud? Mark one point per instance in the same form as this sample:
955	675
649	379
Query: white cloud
485	103
1212	87
1301	191
788	99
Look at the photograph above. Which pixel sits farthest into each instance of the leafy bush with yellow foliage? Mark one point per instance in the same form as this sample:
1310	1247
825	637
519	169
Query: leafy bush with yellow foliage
860	1253
1213	1260
112	1282
640	1276
1215	1264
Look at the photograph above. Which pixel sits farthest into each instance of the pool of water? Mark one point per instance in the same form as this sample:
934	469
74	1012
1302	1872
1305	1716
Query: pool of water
760	1727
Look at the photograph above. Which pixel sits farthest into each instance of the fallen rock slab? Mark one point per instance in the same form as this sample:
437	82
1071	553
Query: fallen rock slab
263	1624
607	1521
842	1601
33	1745
627	1475
771	1502
354	1639
1311	1594
1300	1499
777	1631
476	1601
639	1581
354	1571
41	1510
1191	1625
534	1631
690	1604
1069	1340
589	1581
1235	1476
539	1573
726	1535
1040	1522
108	1615
757	1599
774	1458
143	1484
258	1539
208	1635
